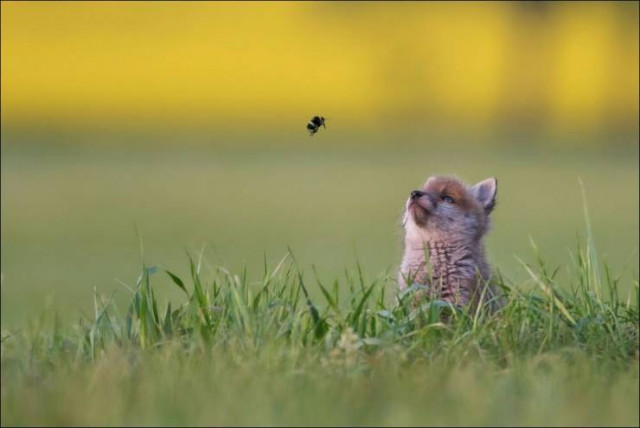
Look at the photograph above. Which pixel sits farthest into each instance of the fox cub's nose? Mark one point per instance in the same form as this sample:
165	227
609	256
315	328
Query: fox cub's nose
416	194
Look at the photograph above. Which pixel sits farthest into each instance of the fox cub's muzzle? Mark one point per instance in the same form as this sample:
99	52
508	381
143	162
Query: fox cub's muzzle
415	194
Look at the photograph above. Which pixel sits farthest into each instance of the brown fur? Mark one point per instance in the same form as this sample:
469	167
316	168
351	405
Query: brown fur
444	248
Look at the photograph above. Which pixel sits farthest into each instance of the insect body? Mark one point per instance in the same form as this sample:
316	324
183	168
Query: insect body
314	124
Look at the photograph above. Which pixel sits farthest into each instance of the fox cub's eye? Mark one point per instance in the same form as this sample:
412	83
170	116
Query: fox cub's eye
448	199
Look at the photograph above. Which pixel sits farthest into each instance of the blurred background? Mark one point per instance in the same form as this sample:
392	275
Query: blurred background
187	120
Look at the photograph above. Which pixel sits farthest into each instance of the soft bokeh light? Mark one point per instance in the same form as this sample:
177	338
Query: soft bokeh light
561	67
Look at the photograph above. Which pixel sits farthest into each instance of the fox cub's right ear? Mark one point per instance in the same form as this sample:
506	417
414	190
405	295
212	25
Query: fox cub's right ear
485	192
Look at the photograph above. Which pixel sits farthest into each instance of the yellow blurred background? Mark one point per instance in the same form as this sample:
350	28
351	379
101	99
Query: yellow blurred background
268	66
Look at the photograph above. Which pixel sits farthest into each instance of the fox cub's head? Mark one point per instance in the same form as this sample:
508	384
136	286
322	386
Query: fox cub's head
447	210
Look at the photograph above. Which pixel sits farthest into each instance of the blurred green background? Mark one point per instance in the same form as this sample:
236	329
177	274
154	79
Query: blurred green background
187	120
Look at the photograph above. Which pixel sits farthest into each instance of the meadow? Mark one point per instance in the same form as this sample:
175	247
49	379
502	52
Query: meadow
176	250
283	307
69	213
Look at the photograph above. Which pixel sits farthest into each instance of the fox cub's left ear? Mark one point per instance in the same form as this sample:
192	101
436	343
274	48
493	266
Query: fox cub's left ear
485	192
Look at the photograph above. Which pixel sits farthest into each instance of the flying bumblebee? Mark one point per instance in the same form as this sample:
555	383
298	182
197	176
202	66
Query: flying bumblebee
314	124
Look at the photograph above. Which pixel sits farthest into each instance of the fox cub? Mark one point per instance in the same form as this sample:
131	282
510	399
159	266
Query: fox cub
445	224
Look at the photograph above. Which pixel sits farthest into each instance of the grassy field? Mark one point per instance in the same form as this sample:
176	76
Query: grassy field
236	352
176	249
247	347
69	214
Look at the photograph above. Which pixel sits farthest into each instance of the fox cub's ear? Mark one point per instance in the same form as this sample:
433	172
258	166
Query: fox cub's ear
485	192
429	180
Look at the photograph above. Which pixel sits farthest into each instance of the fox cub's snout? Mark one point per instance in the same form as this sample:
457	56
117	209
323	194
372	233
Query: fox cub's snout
446	221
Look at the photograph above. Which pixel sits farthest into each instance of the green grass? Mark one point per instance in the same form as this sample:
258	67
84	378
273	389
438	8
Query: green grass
91	336
236	351
68	213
